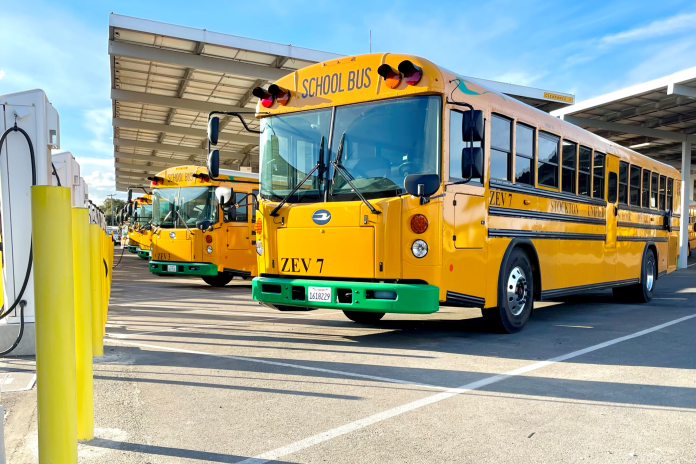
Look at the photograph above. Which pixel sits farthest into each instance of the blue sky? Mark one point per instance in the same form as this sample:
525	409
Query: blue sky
585	47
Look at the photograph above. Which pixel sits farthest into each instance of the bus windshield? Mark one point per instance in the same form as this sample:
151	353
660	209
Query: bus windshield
181	207
383	142
144	214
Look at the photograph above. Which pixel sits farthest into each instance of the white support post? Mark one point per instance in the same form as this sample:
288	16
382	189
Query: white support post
684	220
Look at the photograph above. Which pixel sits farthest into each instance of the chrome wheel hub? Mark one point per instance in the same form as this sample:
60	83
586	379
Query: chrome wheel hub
517	291
650	275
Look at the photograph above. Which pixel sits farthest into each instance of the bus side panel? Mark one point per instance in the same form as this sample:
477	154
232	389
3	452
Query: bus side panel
581	261
630	258
551	267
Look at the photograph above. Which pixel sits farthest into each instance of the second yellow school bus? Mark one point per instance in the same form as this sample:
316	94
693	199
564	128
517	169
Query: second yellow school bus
391	185
203	226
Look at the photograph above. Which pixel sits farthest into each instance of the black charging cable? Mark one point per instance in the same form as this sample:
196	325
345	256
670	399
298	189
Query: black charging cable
22	303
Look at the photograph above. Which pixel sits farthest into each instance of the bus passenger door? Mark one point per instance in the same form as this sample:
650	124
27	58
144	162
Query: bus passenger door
610	251
238	229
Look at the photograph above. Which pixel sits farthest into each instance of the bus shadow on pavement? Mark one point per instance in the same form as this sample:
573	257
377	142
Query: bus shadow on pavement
205	456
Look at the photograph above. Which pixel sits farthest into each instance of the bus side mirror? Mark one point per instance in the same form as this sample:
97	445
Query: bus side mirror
214	163
224	195
130	195
472	121
421	185
213	130
472	159
202	225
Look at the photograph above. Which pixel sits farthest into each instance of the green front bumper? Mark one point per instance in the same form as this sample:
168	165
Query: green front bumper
145	254
133	248
197	269
349	296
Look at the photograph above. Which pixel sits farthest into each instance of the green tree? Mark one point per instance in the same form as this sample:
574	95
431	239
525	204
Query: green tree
106	207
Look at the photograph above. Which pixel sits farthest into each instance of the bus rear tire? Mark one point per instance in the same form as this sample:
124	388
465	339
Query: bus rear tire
220	280
641	292
363	317
515	295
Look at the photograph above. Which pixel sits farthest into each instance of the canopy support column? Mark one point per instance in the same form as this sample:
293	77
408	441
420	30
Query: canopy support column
685	191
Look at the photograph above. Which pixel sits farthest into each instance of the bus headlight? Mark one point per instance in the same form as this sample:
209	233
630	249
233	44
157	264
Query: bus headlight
209	249
259	247
419	248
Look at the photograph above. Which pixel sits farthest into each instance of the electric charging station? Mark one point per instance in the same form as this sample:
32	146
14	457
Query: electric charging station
67	169
33	113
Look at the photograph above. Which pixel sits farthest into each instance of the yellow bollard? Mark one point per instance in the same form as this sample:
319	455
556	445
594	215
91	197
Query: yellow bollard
83	324
96	271
55	324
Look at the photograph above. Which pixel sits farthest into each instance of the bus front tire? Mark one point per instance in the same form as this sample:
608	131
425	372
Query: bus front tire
220	280
362	317
515	295
641	292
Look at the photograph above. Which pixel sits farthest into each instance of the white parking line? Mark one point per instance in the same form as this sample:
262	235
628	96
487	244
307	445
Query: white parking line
123	336
362	423
276	363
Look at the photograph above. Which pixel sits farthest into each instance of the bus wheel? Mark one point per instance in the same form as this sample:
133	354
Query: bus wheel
220	280
515	295
643	291
363	317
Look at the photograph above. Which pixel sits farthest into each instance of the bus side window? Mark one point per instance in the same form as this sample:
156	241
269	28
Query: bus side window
240	214
623	182
547	159
634	197
611	193
663	181
646	188
456	145
653	190
501	148
598	181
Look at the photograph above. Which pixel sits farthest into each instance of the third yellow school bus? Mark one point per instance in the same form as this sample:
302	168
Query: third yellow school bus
391	185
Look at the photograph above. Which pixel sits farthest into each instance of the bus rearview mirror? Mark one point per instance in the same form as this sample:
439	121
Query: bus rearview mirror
213	130
214	163
421	185
130	195
472	126
472	161
224	195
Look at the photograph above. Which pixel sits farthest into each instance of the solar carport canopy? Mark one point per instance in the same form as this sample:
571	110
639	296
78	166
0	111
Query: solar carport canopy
165	79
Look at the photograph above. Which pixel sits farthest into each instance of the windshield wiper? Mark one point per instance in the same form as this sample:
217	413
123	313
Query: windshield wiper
182	220
274	213
347	176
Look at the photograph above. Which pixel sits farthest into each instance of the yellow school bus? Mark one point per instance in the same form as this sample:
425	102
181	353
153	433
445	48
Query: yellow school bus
692	227
139	224
203	226
391	185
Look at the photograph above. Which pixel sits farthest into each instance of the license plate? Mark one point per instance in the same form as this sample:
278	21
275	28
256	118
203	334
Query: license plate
171	268
320	294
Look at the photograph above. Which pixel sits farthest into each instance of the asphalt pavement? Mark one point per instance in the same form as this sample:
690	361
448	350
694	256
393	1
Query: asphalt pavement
195	374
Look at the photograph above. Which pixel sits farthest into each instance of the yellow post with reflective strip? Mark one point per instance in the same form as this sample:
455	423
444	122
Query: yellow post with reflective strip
83	323
55	324
96	271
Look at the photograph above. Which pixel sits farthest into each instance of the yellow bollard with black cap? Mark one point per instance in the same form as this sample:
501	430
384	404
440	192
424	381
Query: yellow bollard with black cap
55	324
83	323
96	285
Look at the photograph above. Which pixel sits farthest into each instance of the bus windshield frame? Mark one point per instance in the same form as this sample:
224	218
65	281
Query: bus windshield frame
181	207
384	141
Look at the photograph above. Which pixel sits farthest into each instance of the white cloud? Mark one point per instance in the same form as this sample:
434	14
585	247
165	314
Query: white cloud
2	73
662	61
519	77
100	184
661	27
98	122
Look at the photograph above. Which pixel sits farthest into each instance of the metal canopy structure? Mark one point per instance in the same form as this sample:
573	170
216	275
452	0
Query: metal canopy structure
165	79
654	118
